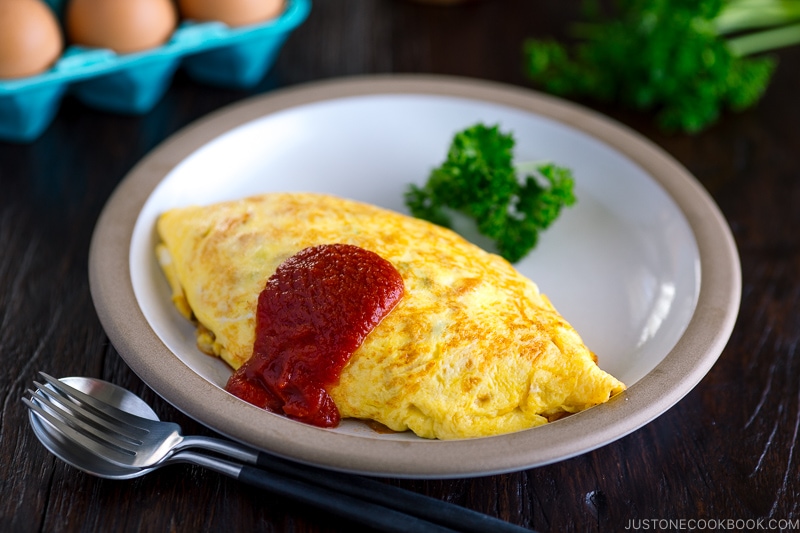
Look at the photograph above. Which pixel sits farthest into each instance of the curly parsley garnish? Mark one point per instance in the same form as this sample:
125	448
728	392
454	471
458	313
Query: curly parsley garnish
479	179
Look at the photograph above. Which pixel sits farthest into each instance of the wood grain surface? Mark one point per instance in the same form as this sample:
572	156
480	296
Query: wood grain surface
727	451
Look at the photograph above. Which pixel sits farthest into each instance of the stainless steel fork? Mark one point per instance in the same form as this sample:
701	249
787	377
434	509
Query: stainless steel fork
124	439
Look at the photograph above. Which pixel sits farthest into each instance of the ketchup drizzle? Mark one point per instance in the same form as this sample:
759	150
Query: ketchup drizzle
314	312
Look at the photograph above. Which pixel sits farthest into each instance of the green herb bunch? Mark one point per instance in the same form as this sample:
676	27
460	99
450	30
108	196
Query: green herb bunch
479	180
685	60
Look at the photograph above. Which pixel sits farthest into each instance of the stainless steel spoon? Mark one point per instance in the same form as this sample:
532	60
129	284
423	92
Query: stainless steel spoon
371	502
79	457
75	455
113	434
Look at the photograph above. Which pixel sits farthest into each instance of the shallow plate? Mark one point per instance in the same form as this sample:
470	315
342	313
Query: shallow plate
644	266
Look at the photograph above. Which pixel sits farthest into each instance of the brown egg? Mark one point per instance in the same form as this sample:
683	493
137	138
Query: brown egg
231	12
30	39
122	25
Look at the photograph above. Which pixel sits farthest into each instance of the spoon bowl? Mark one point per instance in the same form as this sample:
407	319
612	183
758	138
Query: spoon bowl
77	456
369	502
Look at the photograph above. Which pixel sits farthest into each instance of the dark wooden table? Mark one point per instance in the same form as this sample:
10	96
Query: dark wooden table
727	451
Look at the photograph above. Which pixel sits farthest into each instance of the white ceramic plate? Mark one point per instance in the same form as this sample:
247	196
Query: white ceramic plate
644	266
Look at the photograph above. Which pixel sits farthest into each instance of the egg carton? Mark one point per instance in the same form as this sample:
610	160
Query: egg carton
209	52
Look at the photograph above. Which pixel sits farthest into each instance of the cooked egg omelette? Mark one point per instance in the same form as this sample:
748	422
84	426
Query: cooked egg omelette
473	348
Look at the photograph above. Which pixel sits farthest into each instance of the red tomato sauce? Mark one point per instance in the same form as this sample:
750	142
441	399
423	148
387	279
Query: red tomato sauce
314	312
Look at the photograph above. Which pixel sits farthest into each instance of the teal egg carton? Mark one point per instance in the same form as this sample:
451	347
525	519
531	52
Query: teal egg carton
209	52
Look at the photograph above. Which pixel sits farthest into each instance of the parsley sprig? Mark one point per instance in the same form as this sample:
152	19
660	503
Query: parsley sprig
684	60
479	179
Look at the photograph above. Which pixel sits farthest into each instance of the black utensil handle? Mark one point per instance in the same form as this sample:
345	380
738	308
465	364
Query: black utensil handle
371	490
334	502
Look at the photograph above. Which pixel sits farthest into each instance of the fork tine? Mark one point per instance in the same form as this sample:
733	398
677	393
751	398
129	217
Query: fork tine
74	434
145	441
102	408
102	427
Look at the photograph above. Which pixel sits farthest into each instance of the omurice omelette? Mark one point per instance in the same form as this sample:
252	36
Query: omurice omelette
468	348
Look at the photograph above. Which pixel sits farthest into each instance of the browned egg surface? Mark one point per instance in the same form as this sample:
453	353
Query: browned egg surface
473	349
